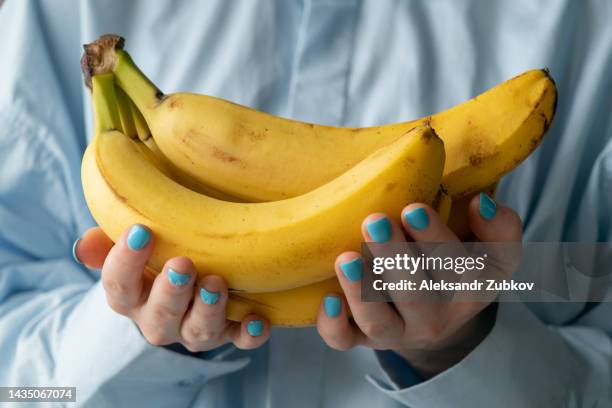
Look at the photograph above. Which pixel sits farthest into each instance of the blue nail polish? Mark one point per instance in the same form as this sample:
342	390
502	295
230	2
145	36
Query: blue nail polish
74	255
138	238
208	297
255	328
379	230
332	306
352	269
417	218
487	207
176	278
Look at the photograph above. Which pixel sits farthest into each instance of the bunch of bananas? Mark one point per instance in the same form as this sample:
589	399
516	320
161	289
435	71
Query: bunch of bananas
268	203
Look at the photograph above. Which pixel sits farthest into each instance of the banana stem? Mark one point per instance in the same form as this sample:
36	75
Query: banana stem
106	114
125	113
106	55
142	129
135	83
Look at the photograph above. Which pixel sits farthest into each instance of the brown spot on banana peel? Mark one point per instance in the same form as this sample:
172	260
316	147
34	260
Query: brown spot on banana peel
251	134
390	187
540	99
477	160
432	134
546	122
175	103
224	156
188	157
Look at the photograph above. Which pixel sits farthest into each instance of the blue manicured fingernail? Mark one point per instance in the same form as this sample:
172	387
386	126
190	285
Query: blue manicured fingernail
332	306
138	237
255	328
176	278
209	297
417	218
487	207
74	254
352	269
379	230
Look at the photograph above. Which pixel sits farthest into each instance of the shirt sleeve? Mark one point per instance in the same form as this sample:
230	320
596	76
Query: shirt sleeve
56	328
524	363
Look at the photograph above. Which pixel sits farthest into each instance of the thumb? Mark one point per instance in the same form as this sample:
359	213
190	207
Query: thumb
91	249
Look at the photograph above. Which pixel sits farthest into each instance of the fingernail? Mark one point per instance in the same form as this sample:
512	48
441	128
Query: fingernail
487	207
178	279
332	306
379	230
417	218
255	328
74	254
208	297
352	269
138	238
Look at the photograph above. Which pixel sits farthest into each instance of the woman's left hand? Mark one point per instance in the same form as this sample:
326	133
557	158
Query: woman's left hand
431	336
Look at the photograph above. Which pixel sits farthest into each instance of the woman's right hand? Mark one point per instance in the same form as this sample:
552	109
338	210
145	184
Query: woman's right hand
172	307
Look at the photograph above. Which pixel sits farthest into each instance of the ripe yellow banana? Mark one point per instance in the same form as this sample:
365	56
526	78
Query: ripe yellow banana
259	157
256	247
298	307
289	308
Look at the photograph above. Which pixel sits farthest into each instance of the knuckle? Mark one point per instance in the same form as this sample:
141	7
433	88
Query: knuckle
196	334
118	307
156	338
429	334
335	340
341	346
161	312
242	345
374	329
192	347
115	288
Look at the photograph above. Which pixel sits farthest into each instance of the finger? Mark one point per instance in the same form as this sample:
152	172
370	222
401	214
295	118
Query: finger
205	321
251	333
424	224
492	222
333	324
161	316
379	228
377	320
92	248
122	272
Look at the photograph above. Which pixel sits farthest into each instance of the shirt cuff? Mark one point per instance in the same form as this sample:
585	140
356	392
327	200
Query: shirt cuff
397	370
104	355
521	362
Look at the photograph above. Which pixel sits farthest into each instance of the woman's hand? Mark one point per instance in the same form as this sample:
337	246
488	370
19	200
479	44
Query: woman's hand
172	307
432	336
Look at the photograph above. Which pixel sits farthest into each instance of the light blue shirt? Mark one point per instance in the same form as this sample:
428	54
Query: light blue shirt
345	62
